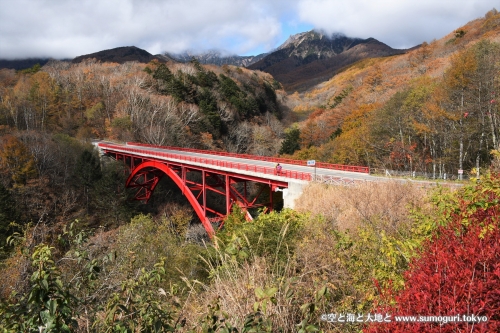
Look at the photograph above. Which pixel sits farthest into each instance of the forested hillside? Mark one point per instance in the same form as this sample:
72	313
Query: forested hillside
434	109
177	104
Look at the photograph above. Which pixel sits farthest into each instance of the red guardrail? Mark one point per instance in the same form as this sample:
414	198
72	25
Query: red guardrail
323	165
203	160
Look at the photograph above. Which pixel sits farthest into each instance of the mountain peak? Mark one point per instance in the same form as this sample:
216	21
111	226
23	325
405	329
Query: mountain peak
308	36
119	55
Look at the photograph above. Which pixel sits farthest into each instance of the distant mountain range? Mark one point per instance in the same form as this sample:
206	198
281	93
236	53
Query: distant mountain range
19	64
216	58
119	55
304	59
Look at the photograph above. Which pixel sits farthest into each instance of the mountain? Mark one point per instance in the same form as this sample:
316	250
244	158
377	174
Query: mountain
304	60
19	64
118	55
216	58
311	57
121	55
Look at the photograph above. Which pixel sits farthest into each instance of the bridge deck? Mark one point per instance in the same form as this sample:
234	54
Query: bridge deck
244	166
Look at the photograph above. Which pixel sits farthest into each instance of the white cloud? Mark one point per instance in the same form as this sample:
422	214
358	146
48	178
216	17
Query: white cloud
68	28
398	23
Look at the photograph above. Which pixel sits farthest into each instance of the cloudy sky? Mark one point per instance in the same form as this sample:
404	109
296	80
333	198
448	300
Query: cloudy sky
69	28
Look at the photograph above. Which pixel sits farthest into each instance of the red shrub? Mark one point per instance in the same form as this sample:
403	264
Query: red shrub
459	271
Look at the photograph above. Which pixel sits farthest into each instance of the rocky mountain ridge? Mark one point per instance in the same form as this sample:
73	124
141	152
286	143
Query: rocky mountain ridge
215	57
308	58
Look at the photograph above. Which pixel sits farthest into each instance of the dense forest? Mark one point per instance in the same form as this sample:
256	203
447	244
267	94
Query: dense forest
77	255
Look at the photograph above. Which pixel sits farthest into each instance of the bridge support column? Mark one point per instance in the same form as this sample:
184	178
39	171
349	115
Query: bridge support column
228	195
292	193
204	190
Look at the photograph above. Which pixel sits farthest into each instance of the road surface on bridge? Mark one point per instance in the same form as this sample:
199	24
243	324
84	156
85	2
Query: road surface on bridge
319	172
330	176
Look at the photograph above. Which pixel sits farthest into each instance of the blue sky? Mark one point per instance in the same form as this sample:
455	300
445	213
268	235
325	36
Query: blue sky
68	28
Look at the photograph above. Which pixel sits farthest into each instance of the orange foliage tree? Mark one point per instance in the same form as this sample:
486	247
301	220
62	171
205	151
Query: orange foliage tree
354	145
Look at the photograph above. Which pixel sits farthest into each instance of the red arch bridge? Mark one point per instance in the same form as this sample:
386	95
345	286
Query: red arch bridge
198	172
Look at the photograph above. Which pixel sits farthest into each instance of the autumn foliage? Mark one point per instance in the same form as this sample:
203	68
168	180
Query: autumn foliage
432	110
164	104
16	161
458	273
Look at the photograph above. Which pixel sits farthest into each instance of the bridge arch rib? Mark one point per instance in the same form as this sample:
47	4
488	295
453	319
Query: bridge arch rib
151	168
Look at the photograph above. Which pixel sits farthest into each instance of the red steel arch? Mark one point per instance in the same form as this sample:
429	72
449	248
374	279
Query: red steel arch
224	178
148	167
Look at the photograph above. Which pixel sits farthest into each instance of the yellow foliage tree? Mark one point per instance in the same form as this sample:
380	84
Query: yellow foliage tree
16	161
353	145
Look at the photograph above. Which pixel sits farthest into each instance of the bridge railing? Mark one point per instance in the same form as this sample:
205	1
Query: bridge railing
213	162
341	167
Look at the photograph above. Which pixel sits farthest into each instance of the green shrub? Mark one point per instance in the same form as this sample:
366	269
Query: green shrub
47	306
272	235
143	242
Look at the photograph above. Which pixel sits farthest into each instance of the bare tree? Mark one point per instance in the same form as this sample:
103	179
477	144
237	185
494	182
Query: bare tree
226	113
239	138
158	122
264	143
188	113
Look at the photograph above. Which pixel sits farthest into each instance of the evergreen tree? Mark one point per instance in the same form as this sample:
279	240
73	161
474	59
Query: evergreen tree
291	142
7	214
87	172
109	195
228	87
